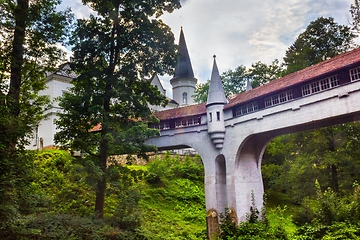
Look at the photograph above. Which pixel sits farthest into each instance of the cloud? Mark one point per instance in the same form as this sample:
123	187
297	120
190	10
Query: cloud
240	32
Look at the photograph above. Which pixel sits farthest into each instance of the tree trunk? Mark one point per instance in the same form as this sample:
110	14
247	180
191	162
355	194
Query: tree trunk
334	178
104	146
17	60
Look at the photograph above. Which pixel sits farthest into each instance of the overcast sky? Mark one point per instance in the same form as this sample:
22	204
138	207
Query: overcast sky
240	32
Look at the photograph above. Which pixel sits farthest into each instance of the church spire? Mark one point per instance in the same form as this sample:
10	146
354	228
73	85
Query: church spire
183	68
216	94
183	83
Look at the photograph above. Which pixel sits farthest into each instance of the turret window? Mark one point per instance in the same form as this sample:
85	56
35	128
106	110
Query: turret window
218	116
210	117
184	95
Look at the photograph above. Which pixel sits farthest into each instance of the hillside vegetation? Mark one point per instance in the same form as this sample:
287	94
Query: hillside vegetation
163	199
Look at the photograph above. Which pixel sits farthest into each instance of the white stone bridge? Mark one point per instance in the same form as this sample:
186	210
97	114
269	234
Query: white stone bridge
231	135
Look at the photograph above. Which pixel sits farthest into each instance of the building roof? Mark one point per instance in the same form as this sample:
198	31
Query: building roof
65	71
183	68
181	112
216	94
319	70
316	71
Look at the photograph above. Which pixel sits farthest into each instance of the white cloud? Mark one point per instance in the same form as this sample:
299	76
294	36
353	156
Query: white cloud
241	32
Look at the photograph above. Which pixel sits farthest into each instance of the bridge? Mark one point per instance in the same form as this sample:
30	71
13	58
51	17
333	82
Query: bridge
231	135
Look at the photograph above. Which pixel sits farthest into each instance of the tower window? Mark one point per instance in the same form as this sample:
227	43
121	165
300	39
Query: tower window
210	117
218	116
184	95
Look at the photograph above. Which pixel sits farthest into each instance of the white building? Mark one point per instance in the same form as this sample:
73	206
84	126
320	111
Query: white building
183	86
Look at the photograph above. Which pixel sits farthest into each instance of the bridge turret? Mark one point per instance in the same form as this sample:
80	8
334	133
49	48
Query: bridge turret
214	107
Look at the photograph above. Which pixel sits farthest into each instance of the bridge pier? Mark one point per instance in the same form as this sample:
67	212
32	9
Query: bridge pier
233	179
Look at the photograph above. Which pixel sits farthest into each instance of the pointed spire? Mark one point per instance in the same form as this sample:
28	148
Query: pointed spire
183	68
248	85
216	92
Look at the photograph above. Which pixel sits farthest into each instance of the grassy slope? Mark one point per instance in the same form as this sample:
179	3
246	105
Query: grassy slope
173	209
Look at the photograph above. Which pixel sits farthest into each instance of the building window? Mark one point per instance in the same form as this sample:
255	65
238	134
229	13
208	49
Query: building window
210	117
248	108
186	122
184	95
279	98
321	85
355	74
218	116
162	125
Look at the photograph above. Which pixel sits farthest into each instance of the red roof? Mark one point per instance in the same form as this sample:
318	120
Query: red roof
334	64
181	112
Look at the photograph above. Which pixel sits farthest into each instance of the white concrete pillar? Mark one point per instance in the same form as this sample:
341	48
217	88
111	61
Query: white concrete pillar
248	178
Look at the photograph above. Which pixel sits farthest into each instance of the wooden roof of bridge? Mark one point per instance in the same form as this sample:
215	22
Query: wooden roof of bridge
327	67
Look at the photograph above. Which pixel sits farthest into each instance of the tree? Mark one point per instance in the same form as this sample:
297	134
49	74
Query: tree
234	81
261	73
355	14
113	51
321	154
292	163
201	91
29	31
321	40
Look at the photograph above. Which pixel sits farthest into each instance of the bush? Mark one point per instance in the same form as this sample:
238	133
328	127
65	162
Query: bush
338	230
169	167
254	228
329	207
64	227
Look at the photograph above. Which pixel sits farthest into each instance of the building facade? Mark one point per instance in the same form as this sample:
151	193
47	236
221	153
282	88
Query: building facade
183	87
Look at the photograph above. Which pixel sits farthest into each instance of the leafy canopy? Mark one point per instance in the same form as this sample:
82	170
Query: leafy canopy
234	81
113	52
322	39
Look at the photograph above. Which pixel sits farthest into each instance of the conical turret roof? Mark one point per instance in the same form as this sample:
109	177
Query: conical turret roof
216	94
183	68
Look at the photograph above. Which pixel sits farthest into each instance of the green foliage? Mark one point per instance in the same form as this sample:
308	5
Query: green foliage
28	34
355	14
65	227
338	230
173	201
60	184
292	163
201	91
253	228
234	81
168	167
261	73
321	40
329	208
16	191
114	50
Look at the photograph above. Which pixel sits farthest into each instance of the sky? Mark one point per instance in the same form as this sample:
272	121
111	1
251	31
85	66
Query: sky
239	32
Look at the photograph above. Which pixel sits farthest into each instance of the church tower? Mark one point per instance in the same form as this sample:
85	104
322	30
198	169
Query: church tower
183	83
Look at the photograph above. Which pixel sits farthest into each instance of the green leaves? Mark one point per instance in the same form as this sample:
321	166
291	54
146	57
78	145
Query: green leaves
321	40
234	81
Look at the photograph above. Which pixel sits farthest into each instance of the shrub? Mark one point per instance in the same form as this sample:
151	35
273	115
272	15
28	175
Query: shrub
65	227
